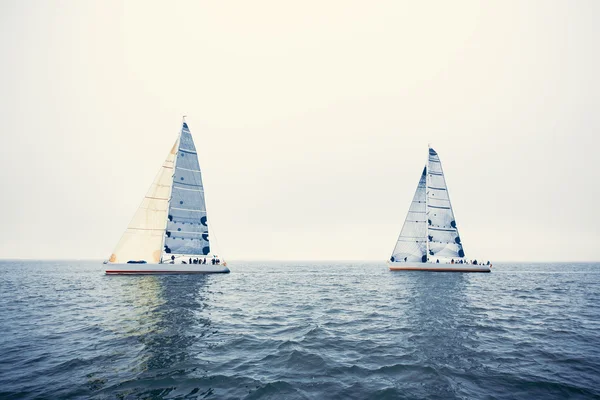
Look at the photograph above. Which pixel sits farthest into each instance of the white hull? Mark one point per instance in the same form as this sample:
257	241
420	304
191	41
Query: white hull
164	269
408	266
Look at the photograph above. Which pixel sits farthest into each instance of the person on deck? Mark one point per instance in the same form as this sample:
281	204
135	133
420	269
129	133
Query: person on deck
190	260
437	261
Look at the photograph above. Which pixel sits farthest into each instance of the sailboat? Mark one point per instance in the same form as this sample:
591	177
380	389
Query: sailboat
169	231
429	239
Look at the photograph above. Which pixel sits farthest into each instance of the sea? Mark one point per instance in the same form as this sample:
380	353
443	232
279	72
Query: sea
300	330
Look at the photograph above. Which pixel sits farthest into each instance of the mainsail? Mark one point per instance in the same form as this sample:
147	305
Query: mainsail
429	230
187	226
145	234
412	242
443	238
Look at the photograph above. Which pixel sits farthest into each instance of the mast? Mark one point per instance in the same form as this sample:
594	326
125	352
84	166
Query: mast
427	203
164	237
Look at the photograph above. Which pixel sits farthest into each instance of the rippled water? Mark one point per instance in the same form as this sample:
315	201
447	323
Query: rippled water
300	330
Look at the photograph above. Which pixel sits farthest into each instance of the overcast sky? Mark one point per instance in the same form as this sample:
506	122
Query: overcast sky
311	121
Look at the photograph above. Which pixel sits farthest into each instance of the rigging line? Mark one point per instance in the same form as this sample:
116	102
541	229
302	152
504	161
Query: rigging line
427	182
214	235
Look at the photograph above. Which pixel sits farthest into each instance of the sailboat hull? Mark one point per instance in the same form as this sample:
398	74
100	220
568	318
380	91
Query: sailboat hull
164	269
403	266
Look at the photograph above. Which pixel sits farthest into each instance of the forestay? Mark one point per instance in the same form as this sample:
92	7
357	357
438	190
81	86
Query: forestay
144	236
187	225
412	242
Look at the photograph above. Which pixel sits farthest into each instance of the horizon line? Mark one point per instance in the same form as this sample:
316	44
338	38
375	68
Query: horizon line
100	260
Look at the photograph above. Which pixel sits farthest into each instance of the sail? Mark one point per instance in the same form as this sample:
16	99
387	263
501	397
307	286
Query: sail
142	241
412	242
444	240
187	226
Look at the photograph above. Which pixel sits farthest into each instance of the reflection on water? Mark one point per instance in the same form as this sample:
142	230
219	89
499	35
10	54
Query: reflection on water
138	299
165	319
436	315
439	326
180	324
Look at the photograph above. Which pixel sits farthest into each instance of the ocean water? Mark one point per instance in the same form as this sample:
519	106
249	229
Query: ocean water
299	330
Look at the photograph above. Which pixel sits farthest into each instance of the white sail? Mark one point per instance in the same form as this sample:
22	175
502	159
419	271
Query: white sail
443	238
143	239
187	225
412	242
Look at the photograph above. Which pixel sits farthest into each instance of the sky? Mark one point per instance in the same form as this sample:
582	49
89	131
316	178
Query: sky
311	119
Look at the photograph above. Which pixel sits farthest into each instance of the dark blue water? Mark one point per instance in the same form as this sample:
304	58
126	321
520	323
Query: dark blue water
300	331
